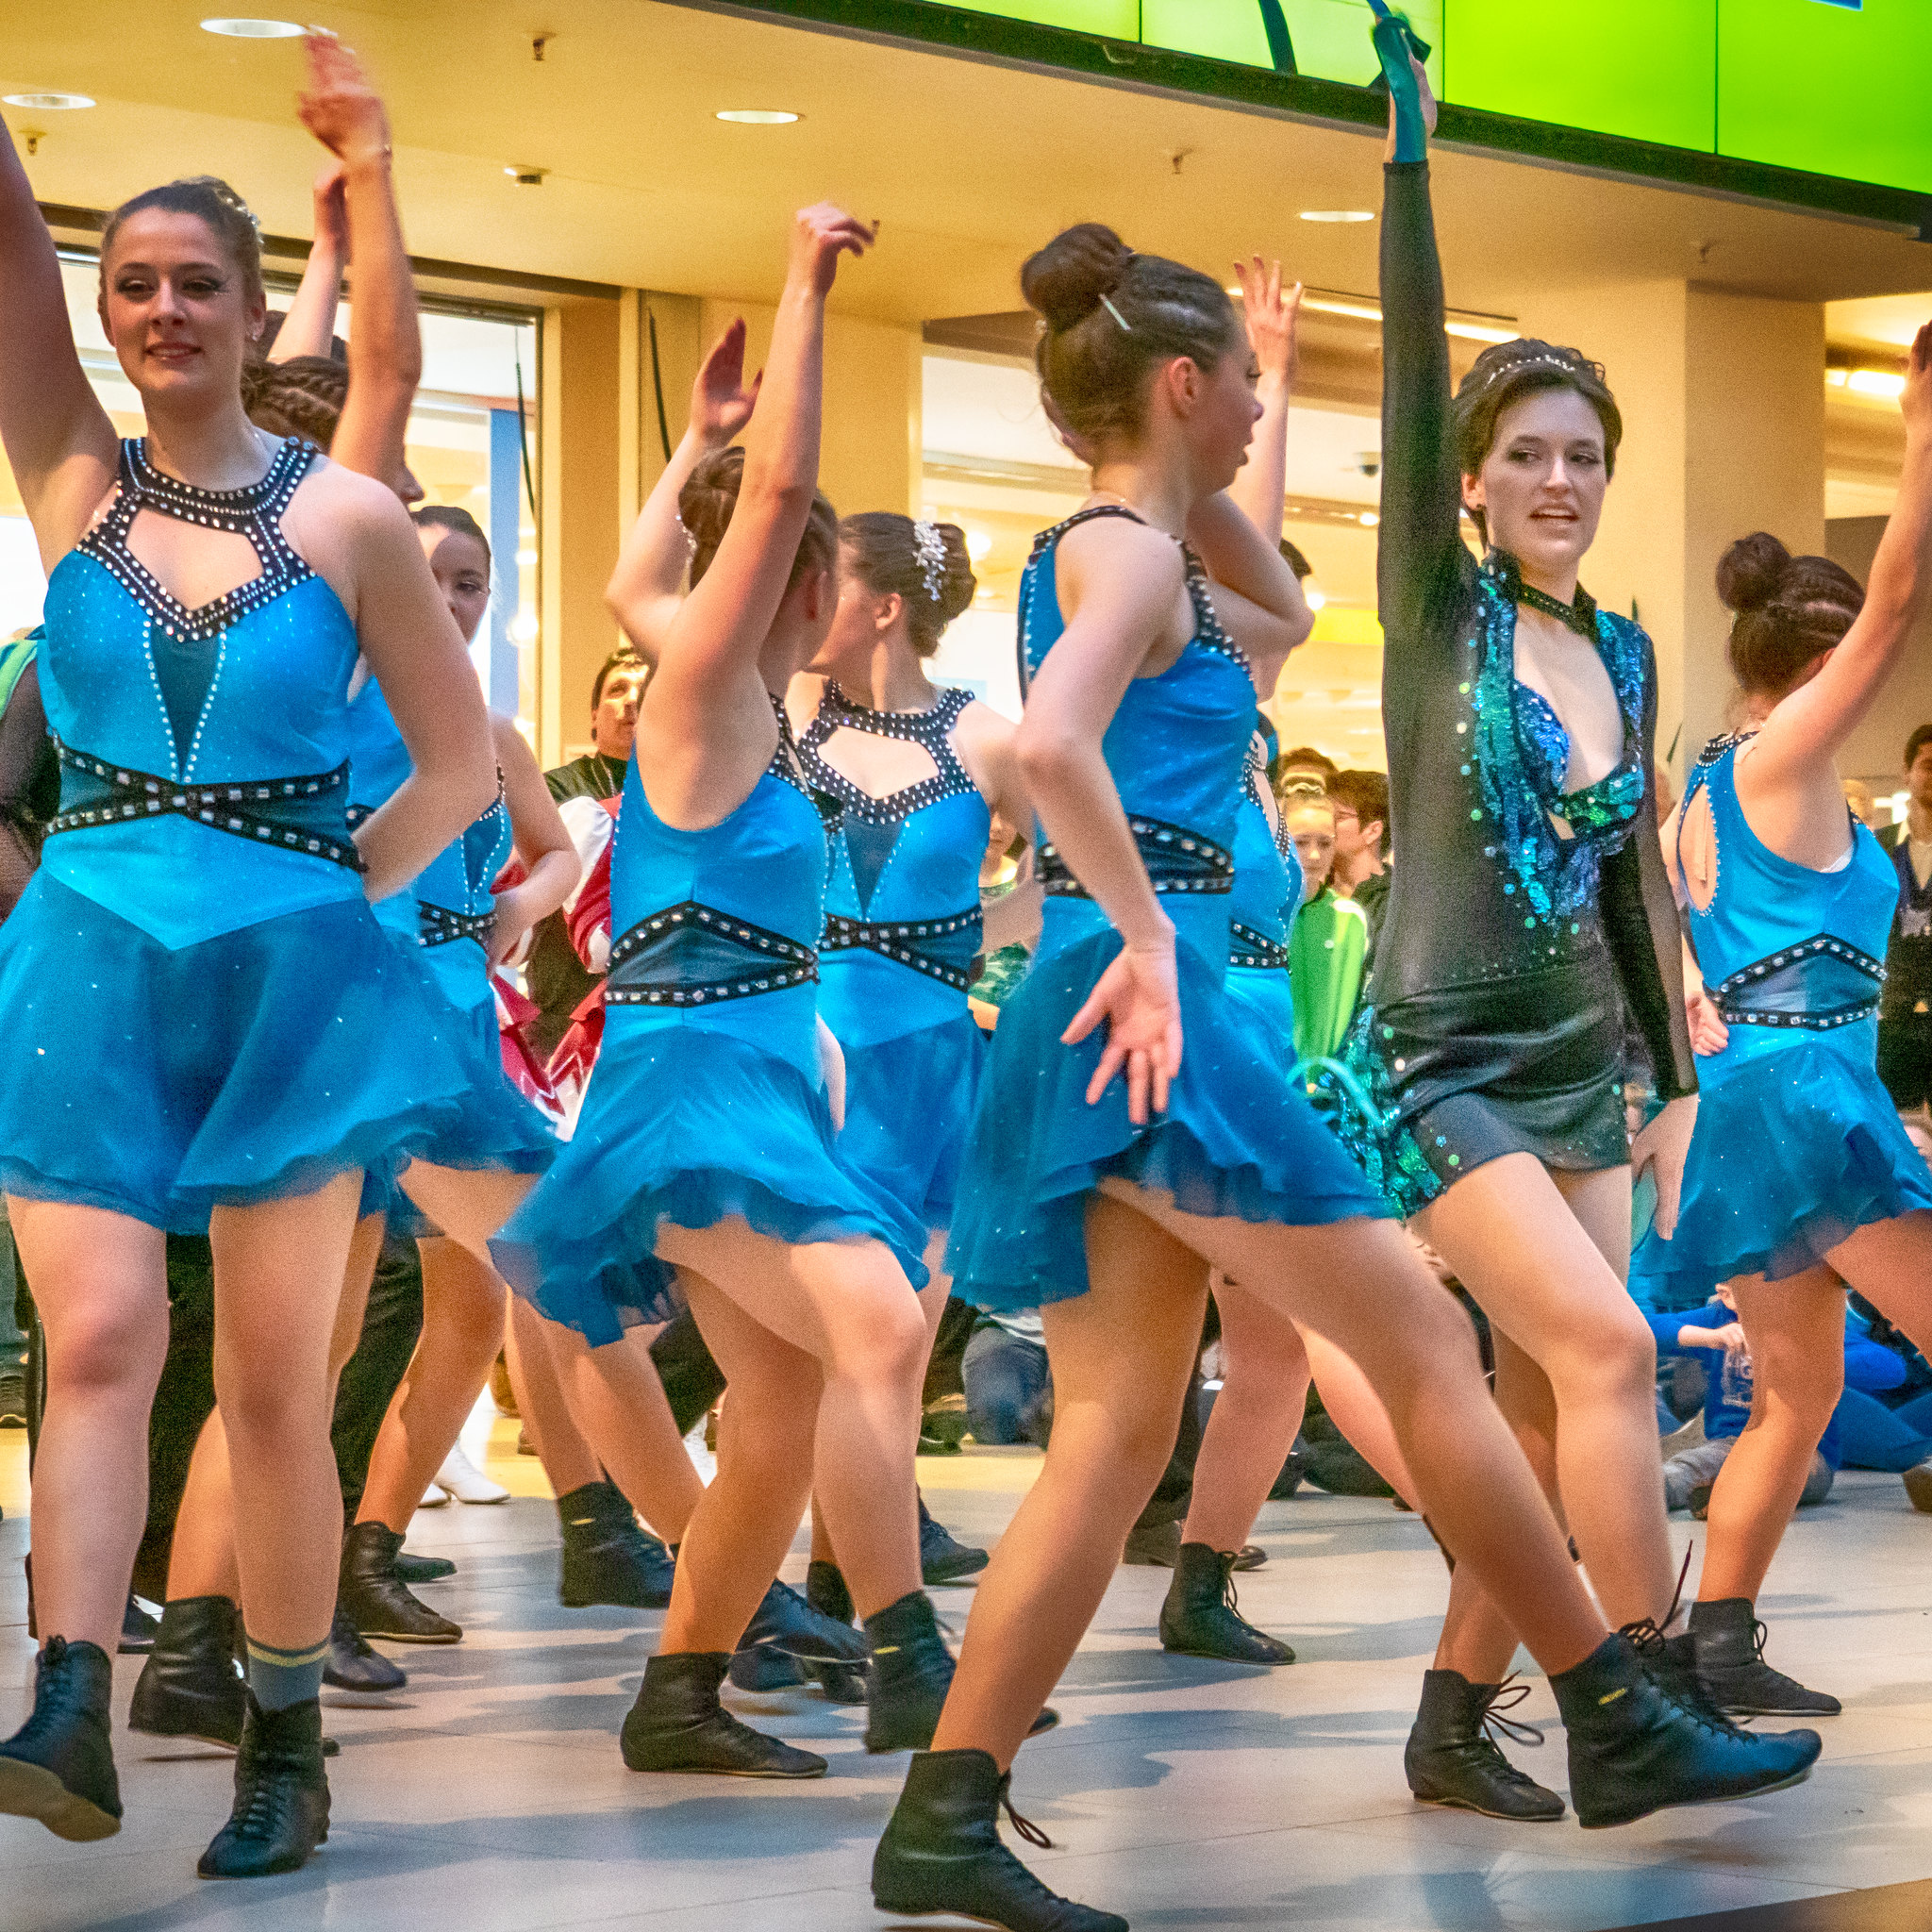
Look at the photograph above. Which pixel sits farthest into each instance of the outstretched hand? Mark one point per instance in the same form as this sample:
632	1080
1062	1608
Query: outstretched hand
721	405
340	107
1138	998
1271	314
820	235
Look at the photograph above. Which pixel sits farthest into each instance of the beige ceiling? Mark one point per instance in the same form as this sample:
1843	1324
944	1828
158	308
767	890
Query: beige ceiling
968	165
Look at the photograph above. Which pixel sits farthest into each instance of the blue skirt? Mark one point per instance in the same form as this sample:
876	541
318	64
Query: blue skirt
909	1104
162	1084
687	1126
1235	1142
1794	1151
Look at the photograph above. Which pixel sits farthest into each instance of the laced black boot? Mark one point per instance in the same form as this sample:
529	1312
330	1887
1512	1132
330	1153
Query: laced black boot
1201	1615
355	1663
911	1673
942	1853
678	1724
1453	1757
786	1621
826	1592
281	1796
410	1568
1635	1748
189	1686
606	1556
942	1559
1727	1643
58	1767
376	1600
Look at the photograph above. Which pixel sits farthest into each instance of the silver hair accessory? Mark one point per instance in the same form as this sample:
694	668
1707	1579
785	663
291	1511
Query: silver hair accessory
1126	327
690	542
930	547
1539	361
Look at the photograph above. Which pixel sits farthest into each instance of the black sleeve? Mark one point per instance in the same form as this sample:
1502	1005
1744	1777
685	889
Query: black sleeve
1639	916
22	747
1419	543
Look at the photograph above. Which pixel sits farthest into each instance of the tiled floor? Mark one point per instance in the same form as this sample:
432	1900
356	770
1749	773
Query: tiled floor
489	1797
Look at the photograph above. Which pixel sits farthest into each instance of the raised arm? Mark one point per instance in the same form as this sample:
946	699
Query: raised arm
550	862
344	113
1808	727
59	442
309	328
1271	313
647	588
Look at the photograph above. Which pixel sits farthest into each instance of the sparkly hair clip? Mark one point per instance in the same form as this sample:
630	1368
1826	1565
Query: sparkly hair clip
1569	365
931	548
690	542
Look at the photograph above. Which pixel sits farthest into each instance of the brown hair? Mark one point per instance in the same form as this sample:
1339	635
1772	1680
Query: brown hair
1504	374
452	516
303	396
210	200
704	507
1111	318
935	586
622	658
1789	609
1366	794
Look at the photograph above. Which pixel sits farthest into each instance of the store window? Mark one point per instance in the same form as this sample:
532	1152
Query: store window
476	417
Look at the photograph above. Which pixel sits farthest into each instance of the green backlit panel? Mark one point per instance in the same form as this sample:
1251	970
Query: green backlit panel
1119	20
1645	68
1331	37
1828	88
1221	29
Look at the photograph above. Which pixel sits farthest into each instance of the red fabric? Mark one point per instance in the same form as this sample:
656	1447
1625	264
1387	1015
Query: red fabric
590	915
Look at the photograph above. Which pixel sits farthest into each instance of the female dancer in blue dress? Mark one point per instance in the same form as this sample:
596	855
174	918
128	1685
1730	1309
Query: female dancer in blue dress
1801	1179
704	1154
1105	1201
193	976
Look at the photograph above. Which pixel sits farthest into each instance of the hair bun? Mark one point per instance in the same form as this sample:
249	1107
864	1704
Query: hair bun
1751	572
1065	280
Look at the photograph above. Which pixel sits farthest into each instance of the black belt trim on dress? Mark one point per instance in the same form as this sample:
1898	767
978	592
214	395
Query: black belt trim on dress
1728	995
438	926
234	806
1247	947
793	964
1177	861
892	940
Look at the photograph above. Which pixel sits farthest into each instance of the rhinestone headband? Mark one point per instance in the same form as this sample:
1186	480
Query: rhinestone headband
1540	361
931	548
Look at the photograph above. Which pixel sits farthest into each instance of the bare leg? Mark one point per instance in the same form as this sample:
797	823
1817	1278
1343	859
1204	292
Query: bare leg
469	1205
568	1460
1521	1246
1264	1390
1356	1410
1121	1354
279	1281
100	1283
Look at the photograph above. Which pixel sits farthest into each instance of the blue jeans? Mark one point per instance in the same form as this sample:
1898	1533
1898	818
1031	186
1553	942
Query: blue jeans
1009	1387
1873	1437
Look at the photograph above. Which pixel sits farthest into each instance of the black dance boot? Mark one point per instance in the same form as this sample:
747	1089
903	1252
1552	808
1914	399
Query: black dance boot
410	1568
375	1601
1727	1642
606	1556
942	1558
58	1767
281	1796
942	1853
189	1686
1634	1749
678	1724
911	1673
1200	1616
355	1663
1452	1756
826	1592
786	1621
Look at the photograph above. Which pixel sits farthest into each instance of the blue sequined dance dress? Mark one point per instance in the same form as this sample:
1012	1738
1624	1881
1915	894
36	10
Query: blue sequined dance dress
708	1099
1522	916
902	929
1797	1142
440	923
1267	894
1234	1141
195	988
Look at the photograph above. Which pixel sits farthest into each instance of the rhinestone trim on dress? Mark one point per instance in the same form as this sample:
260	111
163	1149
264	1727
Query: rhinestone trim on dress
795	965
891	938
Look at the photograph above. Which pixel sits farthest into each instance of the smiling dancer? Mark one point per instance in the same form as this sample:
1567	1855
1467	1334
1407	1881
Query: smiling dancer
1131	1136
196	955
1789	899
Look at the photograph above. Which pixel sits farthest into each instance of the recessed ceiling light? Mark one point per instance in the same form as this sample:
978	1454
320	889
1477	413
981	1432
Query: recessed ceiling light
1368	519
50	103
1337	214
757	117
254	29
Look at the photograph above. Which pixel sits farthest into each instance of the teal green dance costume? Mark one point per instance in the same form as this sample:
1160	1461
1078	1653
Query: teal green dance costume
1797	1144
194	986
708	1099
901	931
1234	1141
1494	1022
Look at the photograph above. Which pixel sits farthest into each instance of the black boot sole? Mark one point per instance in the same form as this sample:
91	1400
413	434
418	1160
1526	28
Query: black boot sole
817	1767
192	1733
1631	1817
31	1790
1790	1710
1450	1804
376	1631
1226	1656
278	1868
954	1569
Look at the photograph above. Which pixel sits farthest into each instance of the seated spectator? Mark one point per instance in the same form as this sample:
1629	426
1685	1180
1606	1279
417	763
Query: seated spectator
1008	1385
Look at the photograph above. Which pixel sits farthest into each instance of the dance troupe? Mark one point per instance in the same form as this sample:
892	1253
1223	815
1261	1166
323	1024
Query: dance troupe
247	994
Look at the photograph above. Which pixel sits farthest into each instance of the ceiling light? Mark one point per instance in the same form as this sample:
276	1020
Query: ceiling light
52	103
757	117
1368	519
1337	215
526	177
1876	382
977	545
1313	595
254	29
